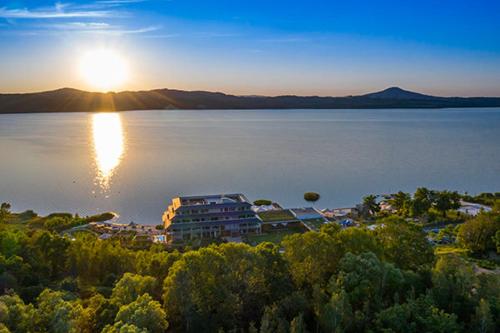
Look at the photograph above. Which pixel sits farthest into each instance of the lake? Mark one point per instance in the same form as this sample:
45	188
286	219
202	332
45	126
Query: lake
134	162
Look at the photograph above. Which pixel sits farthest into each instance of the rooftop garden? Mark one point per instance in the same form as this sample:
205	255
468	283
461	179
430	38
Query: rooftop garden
276	216
314	223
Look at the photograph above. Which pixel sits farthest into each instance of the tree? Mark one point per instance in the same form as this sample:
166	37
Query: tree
453	281
496	205
298	325
277	316
4	211
123	328
56	312
51	252
422	202
487	287
273	322
312	257
358	240
415	316
369	284
333	314
224	286
497	241
482	321
311	197
370	205
144	313
98	263
101	311
405	244
11	242
257	277
15	315
478	234
155	262
131	286
262	202
401	201
446	200
448	233
196	294
331	229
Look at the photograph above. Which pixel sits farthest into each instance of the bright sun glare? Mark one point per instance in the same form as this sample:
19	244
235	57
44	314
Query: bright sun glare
103	69
108	145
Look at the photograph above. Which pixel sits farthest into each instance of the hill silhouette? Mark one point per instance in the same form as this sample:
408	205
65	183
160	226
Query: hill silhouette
398	93
73	100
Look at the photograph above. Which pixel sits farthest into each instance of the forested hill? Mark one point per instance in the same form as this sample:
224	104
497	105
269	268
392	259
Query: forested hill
73	100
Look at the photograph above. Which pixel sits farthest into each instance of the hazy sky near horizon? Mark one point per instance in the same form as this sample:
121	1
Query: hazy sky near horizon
448	47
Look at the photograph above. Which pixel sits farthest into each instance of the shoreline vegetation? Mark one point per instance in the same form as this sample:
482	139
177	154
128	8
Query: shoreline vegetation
74	100
408	262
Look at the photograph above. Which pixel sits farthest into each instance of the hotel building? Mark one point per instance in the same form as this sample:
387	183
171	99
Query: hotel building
210	216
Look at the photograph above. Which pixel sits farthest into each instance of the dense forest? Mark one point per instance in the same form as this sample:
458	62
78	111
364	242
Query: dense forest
389	279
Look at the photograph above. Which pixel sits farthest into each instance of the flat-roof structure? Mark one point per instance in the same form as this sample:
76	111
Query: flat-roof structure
307	213
472	209
310	217
209	216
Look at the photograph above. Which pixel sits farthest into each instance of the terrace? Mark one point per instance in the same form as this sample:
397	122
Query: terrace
212	199
306	213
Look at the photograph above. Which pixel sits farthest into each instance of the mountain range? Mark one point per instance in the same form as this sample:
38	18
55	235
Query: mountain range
73	100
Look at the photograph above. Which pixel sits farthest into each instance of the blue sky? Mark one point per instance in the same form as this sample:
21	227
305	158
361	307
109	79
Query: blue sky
258	47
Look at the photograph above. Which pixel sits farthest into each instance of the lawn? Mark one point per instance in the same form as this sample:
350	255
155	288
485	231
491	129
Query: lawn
276	215
274	237
489	264
19	221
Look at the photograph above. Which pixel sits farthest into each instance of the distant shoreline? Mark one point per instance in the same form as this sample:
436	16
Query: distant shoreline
238	110
73	100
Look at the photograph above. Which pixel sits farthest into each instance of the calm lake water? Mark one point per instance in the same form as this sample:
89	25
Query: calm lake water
134	162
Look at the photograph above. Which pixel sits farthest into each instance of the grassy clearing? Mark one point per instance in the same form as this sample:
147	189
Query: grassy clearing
448	249
274	237
485	263
54	222
19	221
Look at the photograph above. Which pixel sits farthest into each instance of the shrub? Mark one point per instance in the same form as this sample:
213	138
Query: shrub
262	202
311	196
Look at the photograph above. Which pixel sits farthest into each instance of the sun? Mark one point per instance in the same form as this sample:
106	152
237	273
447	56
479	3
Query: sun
103	69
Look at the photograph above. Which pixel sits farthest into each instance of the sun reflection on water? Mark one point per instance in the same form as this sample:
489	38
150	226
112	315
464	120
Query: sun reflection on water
108	137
